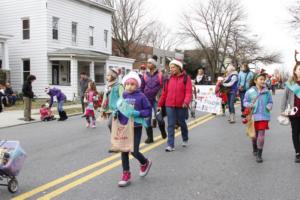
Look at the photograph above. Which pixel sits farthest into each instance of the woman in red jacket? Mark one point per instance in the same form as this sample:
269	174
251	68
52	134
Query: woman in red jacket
176	97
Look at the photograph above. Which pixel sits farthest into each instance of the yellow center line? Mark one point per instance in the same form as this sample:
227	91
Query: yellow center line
109	167
82	170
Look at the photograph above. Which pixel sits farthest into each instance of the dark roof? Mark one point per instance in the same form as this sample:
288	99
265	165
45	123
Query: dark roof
78	52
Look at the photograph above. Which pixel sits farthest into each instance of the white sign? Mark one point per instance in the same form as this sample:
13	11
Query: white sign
206	99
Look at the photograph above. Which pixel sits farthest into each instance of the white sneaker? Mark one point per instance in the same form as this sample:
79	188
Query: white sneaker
94	126
169	149
184	143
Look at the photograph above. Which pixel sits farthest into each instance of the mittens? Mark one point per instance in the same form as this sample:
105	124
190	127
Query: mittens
135	113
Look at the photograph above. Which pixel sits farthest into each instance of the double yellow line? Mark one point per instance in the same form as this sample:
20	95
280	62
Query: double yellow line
98	172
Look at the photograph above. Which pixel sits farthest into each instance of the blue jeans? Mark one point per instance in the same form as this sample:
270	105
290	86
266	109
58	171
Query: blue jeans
136	150
174	115
231	100
60	106
154	109
242	96
12	99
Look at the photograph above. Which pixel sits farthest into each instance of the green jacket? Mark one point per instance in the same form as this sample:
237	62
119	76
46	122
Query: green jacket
109	103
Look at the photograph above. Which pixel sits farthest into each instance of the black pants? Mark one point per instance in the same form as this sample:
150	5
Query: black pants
136	152
295	122
82	104
1	108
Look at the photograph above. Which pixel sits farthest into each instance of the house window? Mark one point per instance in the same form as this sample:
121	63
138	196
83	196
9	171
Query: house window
26	69
91	29
106	37
99	73
0	64
61	72
55	28
26	29
74	32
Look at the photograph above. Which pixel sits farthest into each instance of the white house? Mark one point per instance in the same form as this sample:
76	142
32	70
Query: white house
55	40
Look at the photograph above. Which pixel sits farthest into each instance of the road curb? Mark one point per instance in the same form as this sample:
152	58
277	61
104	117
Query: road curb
33	122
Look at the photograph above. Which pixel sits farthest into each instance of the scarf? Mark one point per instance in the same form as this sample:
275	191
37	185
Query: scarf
294	87
199	78
107	91
126	109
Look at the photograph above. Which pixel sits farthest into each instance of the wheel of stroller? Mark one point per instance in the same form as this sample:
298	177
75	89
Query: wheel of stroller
13	185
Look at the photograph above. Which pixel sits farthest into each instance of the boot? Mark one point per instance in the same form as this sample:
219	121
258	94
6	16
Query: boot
232	118
163	131
60	116
259	156
149	132
254	149
64	116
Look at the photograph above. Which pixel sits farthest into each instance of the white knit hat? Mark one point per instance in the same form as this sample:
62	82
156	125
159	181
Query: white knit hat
132	75
152	61
113	72
176	62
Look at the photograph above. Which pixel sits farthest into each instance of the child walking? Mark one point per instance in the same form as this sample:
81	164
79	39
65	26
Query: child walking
220	92
112	92
142	110
91	96
259	99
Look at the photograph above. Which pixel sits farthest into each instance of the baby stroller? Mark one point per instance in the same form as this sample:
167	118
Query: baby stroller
12	157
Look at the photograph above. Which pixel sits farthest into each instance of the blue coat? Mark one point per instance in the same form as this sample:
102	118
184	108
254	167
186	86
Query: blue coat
263	104
243	81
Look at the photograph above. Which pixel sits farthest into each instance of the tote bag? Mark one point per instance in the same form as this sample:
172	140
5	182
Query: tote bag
122	136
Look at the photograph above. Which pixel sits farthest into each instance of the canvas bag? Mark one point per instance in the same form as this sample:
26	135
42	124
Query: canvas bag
250	128
122	135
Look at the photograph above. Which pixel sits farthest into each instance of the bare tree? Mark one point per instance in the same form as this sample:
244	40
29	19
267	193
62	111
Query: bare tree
295	15
129	25
211	27
220	31
243	48
161	37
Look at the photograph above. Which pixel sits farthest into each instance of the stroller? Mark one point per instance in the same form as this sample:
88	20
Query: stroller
12	157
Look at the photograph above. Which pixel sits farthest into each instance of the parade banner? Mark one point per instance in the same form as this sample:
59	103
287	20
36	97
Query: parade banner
206	99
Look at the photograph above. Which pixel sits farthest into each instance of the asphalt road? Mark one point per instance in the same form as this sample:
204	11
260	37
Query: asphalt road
218	164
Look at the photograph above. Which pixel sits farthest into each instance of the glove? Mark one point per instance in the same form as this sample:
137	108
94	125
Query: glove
115	114
135	113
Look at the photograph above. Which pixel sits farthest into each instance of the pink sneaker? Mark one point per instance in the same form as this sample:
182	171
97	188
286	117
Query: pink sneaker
87	125
145	168
125	181
94	124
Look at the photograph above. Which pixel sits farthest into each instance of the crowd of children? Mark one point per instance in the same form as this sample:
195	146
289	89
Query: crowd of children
153	91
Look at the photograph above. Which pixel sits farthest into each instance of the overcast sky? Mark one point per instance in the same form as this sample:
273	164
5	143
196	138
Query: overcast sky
266	19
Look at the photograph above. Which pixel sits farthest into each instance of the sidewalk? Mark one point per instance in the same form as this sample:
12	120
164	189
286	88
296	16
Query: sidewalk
14	118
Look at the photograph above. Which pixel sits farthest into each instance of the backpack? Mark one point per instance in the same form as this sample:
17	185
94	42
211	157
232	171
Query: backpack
184	79
160	77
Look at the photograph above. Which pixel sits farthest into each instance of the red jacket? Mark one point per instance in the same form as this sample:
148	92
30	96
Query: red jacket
176	92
